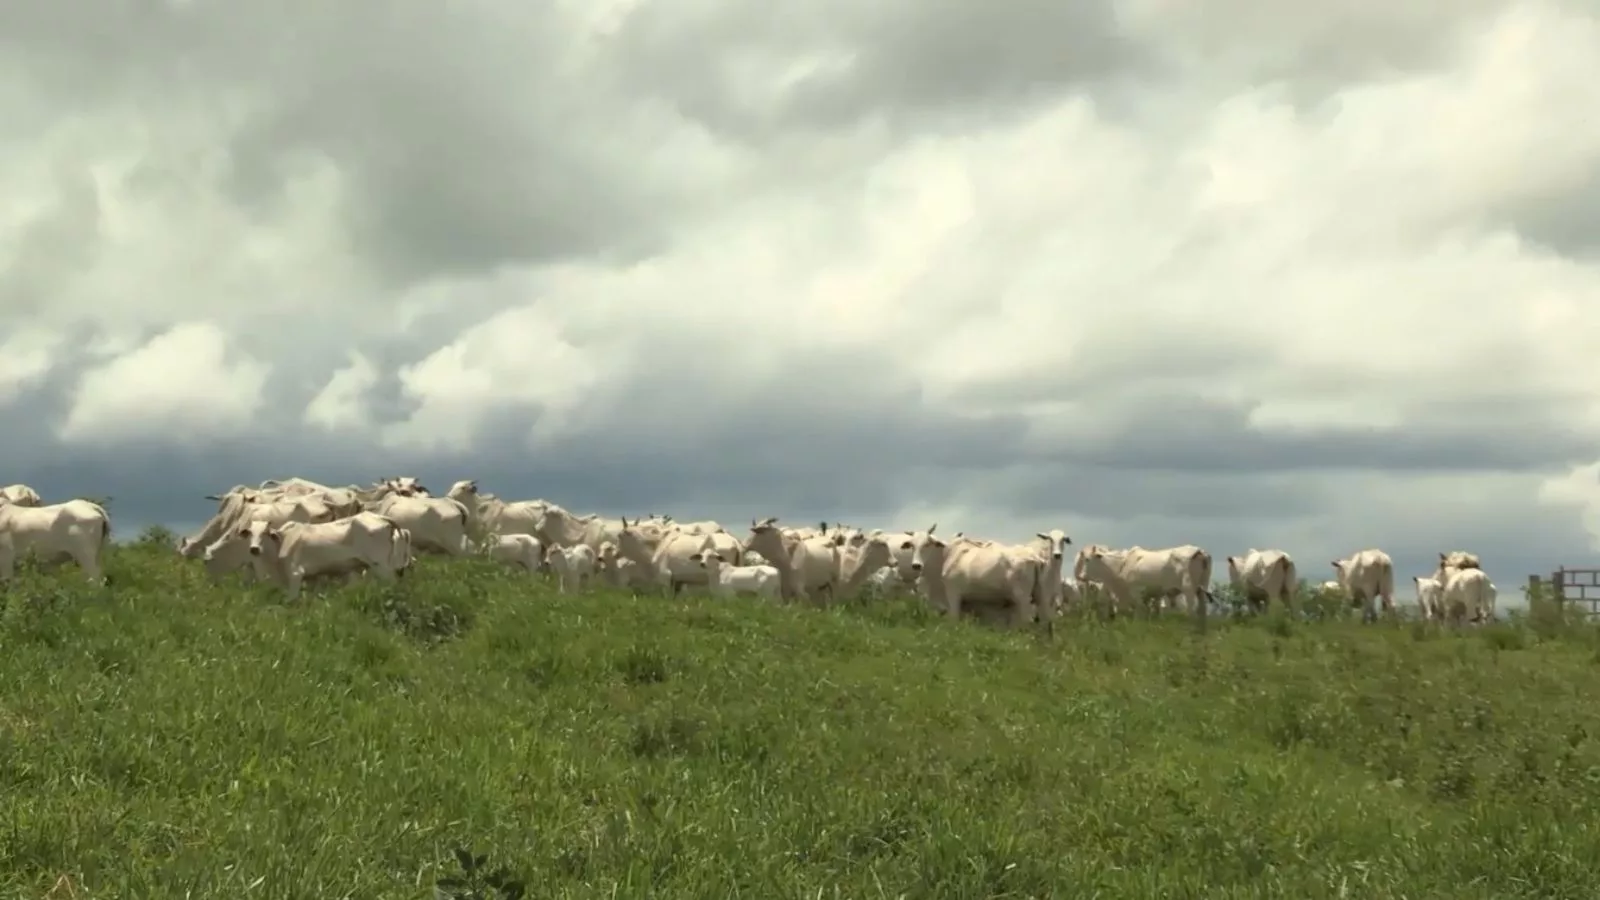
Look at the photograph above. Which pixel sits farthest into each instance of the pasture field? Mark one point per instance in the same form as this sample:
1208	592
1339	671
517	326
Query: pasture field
169	738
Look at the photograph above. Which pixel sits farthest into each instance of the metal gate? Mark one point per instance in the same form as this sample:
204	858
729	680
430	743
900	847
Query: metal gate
1572	588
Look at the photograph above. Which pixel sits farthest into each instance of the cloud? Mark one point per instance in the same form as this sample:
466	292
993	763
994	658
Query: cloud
1321	280
181	386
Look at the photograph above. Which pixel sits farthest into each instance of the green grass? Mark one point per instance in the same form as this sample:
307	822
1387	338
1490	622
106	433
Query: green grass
168	739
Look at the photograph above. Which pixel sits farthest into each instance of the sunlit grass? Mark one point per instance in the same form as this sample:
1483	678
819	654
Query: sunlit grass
169	739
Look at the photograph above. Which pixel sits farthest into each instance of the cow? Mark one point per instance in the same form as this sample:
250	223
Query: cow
296	551
1430	597
617	570
20	495
1125	575
437	524
728	580
523	550
1263	576
1465	591
808	565
244	505
1367	576
77	529
558	527
666	556
860	555
983	572
1051	546
489	515
573	565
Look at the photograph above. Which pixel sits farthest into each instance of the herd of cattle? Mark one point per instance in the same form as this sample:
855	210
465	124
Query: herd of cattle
285	532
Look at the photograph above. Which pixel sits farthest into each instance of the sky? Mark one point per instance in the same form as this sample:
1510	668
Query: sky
1237	273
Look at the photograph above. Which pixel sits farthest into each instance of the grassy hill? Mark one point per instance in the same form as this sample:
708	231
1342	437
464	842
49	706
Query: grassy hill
170	739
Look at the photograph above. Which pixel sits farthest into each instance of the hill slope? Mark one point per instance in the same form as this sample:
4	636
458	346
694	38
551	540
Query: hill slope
172	737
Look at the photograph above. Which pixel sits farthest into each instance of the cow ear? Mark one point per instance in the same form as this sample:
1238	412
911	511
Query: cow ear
1041	536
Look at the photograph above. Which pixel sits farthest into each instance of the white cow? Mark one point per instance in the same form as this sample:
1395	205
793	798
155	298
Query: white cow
20	495
965	570
703	527
242	506
489	515
1264	576
557	526
1430	597
860	555
523	550
296	551
77	529
618	571
668	557
809	566
574	566
1051	546
1127	574
1366	577
728	580
438	524
1465	591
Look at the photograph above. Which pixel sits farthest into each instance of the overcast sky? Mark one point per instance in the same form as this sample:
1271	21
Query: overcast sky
1239	273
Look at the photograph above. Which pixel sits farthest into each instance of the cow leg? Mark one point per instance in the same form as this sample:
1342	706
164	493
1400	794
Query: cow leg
1022	609
89	562
297	577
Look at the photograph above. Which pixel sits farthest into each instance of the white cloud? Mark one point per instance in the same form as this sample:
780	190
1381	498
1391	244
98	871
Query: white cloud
342	404
25	358
183	386
1343	264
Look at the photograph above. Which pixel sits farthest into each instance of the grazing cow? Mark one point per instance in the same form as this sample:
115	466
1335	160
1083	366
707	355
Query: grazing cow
808	565
20	495
964	570
77	529
1367	577
728	580
1264	576
1127	574
574	566
296	551
522	550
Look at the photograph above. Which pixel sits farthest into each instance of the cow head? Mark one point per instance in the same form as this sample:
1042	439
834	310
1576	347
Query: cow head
927	551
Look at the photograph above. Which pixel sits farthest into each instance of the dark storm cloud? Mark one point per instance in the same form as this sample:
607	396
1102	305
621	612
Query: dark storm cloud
465	147
1178	431
899	58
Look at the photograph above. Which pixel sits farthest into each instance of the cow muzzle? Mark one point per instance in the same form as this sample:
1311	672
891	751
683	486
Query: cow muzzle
255	551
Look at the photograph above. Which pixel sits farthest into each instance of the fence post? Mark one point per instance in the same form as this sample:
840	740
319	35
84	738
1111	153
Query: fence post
1558	583
1535	588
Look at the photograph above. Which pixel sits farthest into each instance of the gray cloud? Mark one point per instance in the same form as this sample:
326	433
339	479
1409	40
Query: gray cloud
871	263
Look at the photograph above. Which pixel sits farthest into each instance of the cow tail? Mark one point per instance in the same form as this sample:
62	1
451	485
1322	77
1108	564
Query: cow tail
105	525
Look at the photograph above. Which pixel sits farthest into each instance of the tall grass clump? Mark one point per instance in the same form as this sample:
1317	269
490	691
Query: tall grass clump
469	733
